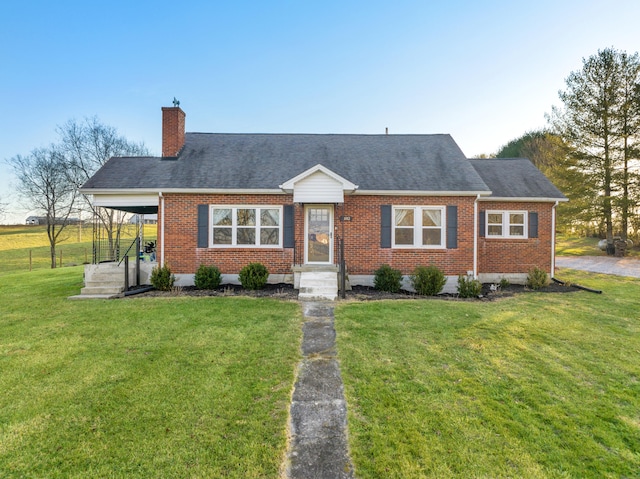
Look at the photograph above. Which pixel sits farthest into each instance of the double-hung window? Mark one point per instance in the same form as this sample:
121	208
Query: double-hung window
506	224
246	226
419	227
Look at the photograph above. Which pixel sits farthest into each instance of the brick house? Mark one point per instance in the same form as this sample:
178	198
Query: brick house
290	200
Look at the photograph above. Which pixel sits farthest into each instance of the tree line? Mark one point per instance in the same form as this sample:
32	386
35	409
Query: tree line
49	178
591	147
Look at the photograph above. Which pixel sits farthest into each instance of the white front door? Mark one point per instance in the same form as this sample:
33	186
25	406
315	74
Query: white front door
318	227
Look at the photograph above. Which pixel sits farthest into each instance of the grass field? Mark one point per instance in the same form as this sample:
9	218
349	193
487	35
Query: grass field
141	388
24	248
572	246
537	386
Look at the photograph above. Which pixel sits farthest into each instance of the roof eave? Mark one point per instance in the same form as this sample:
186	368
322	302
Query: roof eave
422	193
147	191
525	198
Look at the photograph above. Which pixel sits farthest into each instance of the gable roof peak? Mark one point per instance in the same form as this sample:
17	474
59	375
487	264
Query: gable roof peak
347	185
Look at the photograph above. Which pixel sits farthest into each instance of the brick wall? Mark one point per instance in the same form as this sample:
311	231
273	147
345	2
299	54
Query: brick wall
364	255
508	255
362	237
181	234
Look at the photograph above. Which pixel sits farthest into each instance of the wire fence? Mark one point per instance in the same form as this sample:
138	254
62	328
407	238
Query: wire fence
28	259
26	249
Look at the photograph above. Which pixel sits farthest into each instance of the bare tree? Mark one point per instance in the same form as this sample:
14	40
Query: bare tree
3	208
43	185
88	145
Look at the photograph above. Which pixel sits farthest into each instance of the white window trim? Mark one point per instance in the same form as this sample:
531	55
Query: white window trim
417	229
234	226
506	224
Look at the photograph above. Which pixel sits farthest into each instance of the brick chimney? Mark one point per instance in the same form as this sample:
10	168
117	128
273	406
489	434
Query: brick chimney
172	130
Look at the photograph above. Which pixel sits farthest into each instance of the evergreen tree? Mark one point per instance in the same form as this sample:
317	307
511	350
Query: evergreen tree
553	157
600	120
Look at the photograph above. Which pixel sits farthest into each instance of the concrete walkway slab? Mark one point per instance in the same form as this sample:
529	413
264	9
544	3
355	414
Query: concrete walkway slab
601	264
318	446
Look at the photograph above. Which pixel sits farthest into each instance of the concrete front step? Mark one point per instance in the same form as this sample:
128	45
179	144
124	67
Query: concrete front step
95	296
103	280
102	290
111	276
318	285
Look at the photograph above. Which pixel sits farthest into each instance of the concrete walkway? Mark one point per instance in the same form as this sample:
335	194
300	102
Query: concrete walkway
318	446
601	264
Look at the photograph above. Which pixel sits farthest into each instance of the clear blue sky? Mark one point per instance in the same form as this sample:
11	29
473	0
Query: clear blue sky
485	72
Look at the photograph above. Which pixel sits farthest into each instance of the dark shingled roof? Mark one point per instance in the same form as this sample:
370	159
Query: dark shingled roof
265	161
515	178
428	163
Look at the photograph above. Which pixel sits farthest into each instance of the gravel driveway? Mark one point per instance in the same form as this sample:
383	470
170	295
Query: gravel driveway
601	264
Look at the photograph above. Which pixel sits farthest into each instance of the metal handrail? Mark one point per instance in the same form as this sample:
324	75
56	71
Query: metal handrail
136	242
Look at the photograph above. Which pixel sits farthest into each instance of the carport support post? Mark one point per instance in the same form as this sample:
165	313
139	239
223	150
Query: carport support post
138	261
126	273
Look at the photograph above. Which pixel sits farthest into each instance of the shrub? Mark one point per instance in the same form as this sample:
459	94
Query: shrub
254	276
162	279
469	287
537	279
504	282
207	277
387	279
428	280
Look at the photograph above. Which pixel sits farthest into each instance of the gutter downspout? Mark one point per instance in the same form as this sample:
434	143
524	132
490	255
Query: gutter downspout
553	239
161	229
475	237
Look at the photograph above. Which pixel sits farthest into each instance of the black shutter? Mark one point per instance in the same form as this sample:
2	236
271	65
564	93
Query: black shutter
481	226
203	226
288	237
385	226
533	224
452	227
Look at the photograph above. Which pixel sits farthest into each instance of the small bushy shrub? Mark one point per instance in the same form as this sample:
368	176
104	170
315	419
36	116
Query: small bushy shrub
504	282
207	277
428	280
254	276
537	278
469	287
162	279
387	279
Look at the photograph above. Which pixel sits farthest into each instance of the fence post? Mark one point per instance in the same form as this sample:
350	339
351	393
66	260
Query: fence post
126	273
30	260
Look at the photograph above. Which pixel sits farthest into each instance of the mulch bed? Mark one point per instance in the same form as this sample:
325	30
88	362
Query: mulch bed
357	293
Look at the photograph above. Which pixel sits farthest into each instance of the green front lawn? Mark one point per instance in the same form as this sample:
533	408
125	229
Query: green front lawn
540	385
141	387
